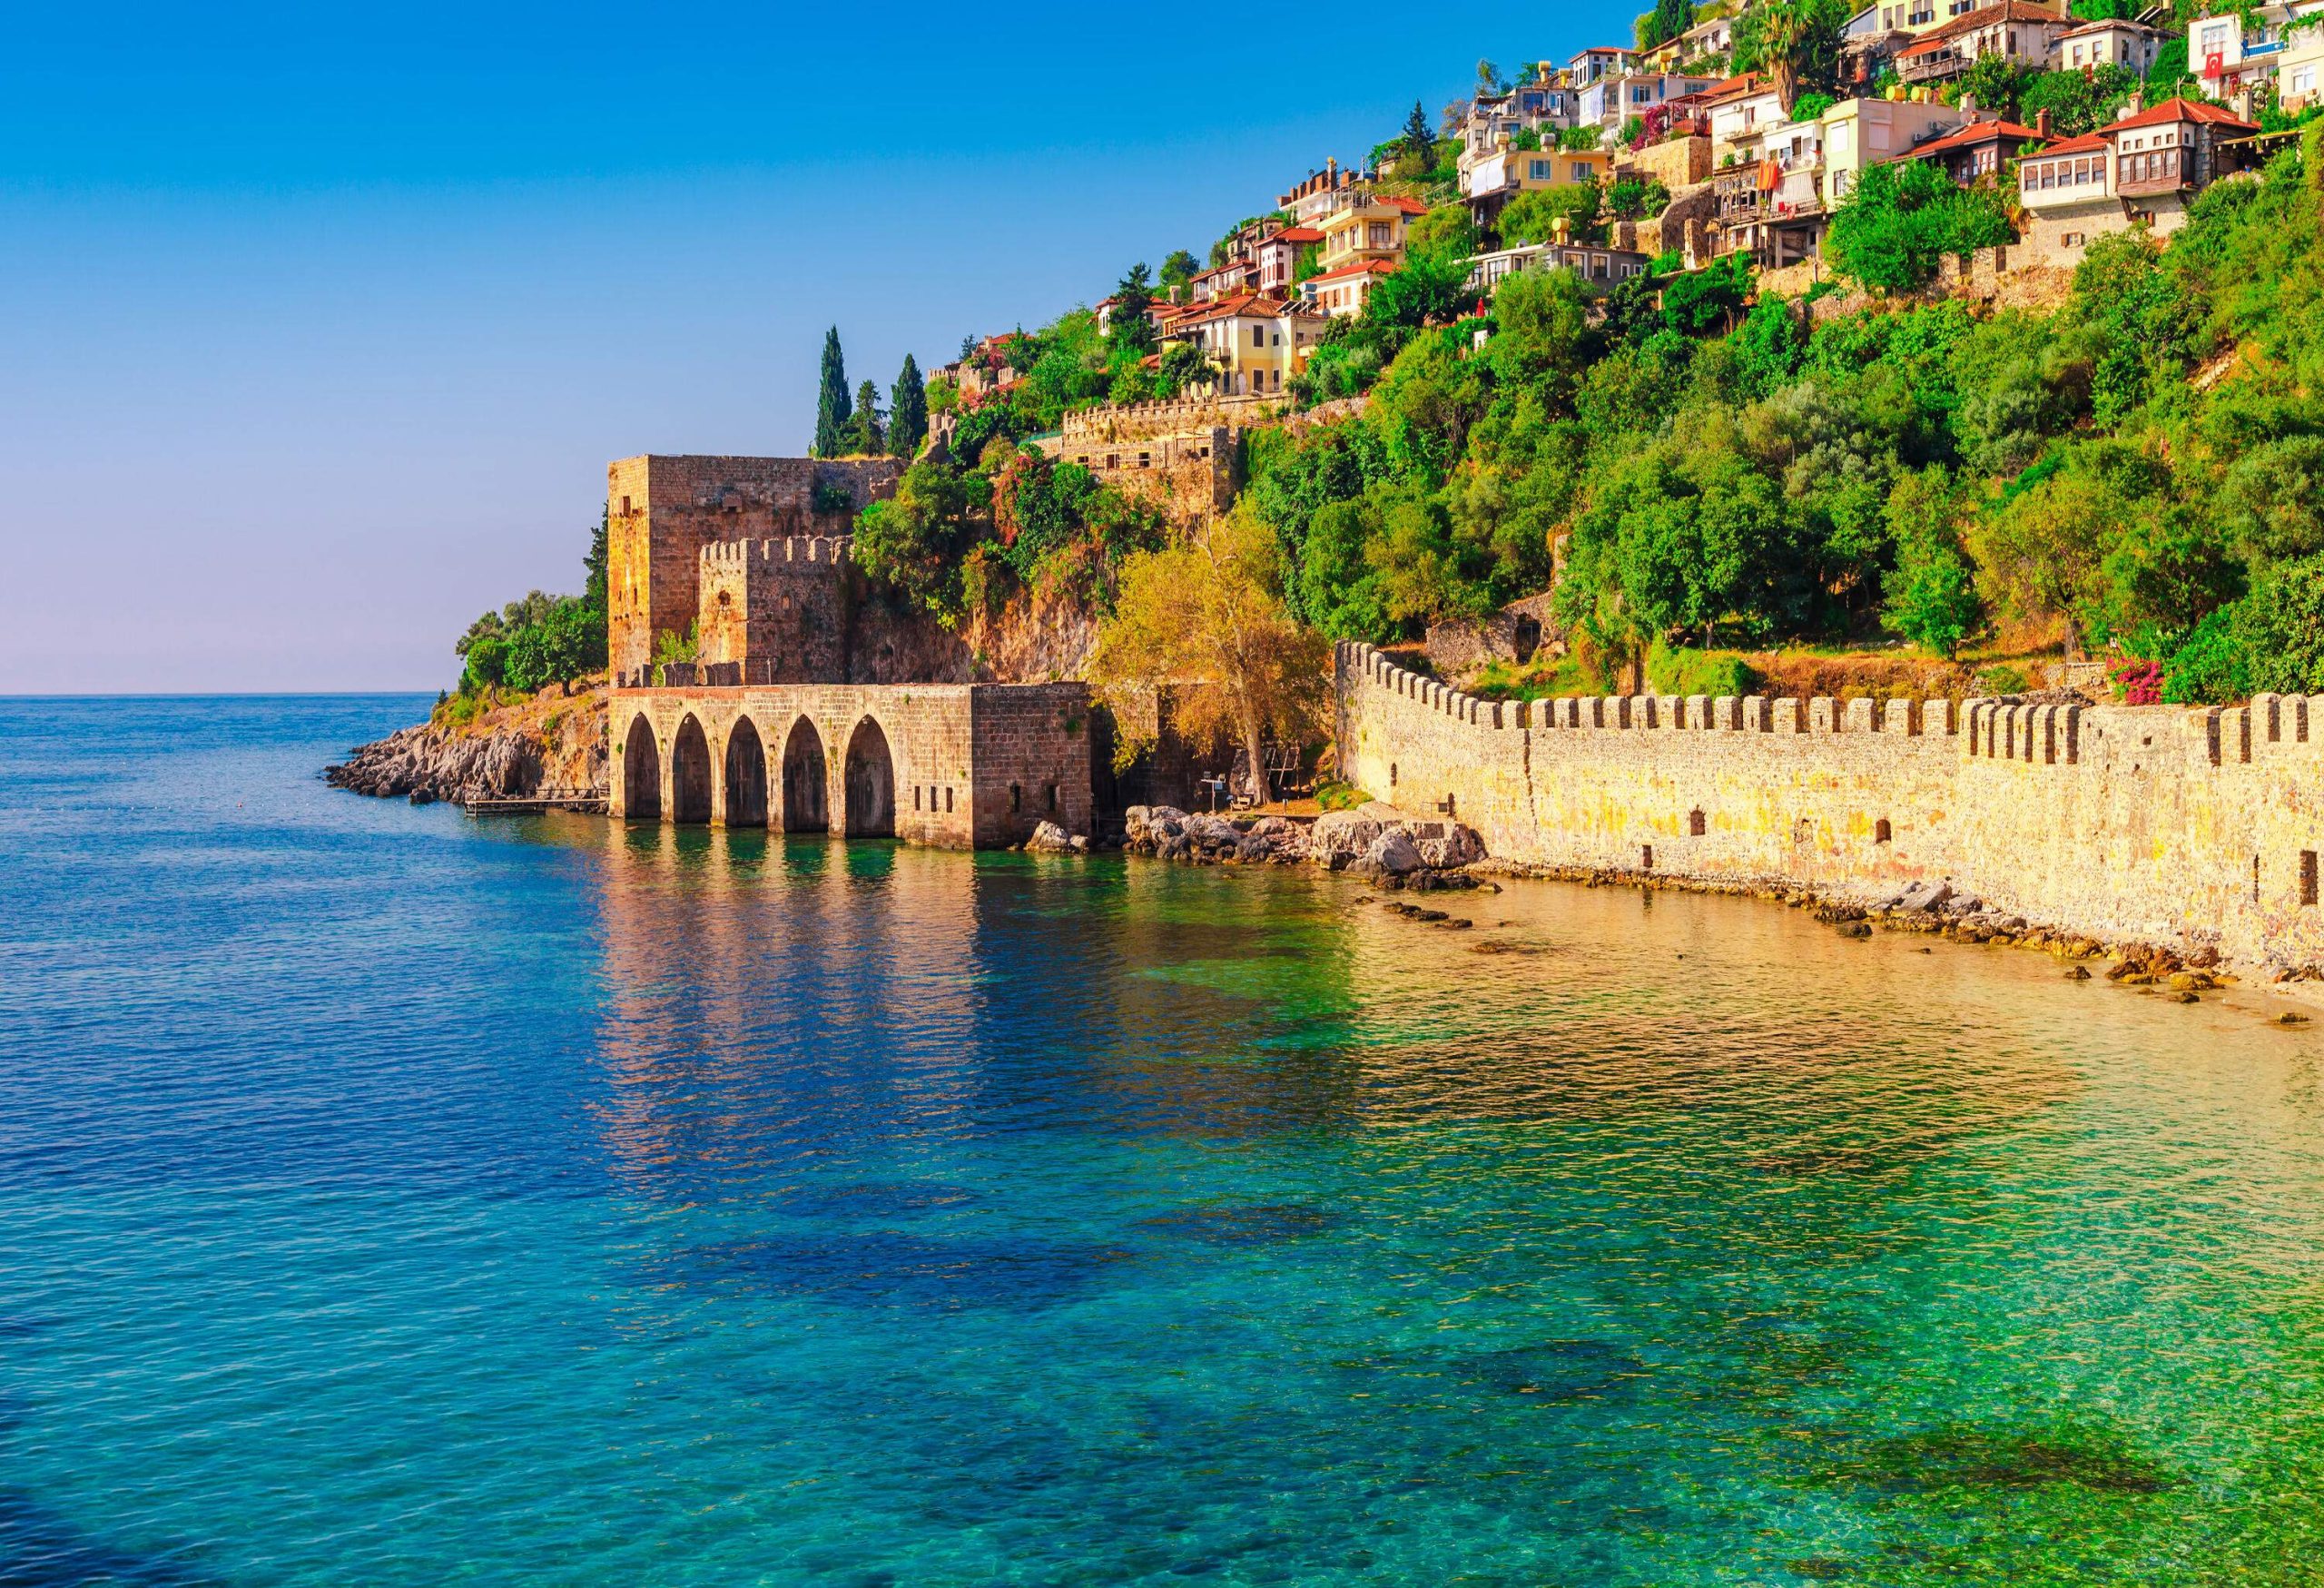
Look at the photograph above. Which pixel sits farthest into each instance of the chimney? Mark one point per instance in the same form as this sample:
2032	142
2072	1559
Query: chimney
1969	107
2042	124
1332	171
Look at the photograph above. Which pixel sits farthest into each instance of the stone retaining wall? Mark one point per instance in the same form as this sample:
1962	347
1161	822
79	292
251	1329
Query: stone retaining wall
2190	828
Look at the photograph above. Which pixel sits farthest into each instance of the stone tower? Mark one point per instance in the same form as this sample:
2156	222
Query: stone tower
663	511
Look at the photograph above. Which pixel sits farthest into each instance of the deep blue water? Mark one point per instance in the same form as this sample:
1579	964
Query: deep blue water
392	1197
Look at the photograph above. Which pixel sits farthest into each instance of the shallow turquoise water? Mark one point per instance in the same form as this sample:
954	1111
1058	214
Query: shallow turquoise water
391	1197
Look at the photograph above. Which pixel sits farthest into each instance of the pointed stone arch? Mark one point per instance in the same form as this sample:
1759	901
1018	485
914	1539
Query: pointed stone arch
690	773
641	772
745	772
870	782
804	780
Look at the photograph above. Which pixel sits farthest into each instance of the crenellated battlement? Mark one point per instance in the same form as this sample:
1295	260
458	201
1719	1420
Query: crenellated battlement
827	550
2199	826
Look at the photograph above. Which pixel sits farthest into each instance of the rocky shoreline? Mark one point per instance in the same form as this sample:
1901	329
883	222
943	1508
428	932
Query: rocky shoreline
549	747
1375	841
1935	908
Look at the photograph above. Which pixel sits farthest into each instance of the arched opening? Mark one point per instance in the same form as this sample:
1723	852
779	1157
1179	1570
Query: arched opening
690	774
802	780
745	776
1881	831
641	772
1695	823
871	784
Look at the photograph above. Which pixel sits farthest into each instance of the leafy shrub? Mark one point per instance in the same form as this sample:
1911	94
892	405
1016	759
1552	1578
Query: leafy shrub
1685	670
2003	679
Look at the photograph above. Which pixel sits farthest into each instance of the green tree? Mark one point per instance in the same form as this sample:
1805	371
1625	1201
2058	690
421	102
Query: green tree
1185	365
832	409
863	435
1902	220
1178	268
908	411
1931	595
1797	44
594	565
1418	140
1206	617
1581	139
1445	230
2078	102
1667	21
916	540
1127	325
1532	215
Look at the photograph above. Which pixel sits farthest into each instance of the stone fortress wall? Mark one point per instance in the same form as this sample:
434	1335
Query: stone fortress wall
662	511
957	764
808	708
2185	827
777	611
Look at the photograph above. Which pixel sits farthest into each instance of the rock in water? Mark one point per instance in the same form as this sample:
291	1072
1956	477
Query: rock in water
1049	838
1391	855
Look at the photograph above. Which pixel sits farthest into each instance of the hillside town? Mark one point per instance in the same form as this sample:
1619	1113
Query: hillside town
1750	163
1932	349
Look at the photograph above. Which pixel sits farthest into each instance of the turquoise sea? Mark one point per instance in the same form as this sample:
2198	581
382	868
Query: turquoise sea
389	1197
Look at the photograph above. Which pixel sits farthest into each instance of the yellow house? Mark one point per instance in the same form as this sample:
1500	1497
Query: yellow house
1492	181
1257	342
1366	229
1861	132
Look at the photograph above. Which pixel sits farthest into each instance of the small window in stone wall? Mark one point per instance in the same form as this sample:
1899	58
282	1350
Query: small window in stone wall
1882	832
2308	876
1695	823
948	802
1646	857
1049	793
1392	774
915	796
1015	797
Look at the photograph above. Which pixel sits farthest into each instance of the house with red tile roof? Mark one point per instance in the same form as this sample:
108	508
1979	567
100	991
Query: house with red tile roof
2021	32
2142	170
1981	151
1340	291
1256	340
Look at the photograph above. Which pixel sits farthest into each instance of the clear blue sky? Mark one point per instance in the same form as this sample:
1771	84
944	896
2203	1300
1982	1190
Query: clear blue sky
320	329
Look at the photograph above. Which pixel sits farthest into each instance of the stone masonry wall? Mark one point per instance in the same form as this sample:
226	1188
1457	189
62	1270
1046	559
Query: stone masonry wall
955	751
782	605
1187	477
662	511
1031	750
2195	828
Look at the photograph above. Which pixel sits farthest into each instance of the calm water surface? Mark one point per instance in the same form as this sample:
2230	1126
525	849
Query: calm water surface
392	1197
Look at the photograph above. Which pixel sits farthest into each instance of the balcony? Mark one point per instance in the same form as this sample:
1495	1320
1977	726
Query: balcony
1935	65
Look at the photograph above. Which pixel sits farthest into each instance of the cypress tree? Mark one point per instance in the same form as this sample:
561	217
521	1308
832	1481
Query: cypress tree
831	408
908	411
862	431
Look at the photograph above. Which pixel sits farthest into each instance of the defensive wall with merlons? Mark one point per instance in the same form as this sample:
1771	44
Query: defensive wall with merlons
2191	828
959	765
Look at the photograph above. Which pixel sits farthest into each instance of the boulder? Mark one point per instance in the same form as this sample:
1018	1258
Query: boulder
1049	838
1391	855
1458	847
1922	896
1341	836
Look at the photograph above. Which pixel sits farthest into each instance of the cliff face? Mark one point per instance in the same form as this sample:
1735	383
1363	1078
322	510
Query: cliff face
549	744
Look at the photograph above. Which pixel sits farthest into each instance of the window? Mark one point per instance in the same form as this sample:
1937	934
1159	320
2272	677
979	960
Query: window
915	796
2072	240
1258	336
948	802
1695	823
2308	876
1541	172
624	504
1881	830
